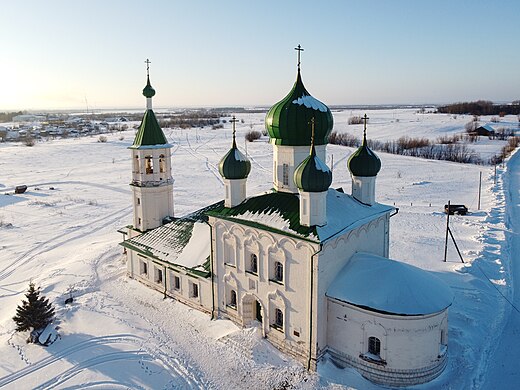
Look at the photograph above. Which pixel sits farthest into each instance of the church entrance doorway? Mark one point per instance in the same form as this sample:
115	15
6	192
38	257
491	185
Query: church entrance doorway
252	310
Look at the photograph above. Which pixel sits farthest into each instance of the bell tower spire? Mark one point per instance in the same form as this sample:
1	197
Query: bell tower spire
152	182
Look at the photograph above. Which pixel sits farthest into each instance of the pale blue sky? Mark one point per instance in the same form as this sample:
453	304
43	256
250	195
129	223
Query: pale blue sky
56	54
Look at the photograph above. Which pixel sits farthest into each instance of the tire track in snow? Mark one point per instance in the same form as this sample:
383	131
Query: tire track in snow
64	353
56	241
210	167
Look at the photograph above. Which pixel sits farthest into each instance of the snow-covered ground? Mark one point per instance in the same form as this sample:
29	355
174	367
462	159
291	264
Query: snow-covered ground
62	235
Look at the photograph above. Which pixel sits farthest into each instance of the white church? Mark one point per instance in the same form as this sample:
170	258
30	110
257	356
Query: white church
306	263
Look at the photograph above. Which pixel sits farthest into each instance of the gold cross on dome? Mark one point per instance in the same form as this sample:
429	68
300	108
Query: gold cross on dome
147	62
299	49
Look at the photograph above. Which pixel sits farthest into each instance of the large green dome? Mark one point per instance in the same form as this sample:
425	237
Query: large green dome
312	175
234	165
364	162
288	120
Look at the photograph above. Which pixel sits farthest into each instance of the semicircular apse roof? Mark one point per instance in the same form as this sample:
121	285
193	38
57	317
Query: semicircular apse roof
388	286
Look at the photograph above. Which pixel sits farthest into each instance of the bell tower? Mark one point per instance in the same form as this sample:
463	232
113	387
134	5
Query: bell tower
152	182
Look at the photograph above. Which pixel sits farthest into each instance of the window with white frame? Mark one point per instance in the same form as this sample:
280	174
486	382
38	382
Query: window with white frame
143	267
374	346
232	299
158	275
229	253
194	290
278	271
176	283
278	319
136	164
253	263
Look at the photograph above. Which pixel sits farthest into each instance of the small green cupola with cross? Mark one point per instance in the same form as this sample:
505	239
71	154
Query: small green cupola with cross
149	133
287	121
364	162
234	165
312	175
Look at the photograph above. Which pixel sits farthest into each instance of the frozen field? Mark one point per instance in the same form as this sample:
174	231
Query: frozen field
62	234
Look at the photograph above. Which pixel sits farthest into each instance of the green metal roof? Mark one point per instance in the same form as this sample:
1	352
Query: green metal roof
149	132
312	175
288	120
364	162
167	242
234	165
274	204
148	91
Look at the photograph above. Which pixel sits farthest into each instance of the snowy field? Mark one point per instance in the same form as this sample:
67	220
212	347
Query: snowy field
62	235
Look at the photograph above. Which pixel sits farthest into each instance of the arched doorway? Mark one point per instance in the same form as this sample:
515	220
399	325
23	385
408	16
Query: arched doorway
252	311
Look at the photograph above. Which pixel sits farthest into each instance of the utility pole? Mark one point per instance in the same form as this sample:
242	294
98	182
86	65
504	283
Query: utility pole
447	230
479	188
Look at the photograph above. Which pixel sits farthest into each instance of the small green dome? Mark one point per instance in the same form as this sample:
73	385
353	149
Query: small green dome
313	175
148	91
364	162
234	165
288	120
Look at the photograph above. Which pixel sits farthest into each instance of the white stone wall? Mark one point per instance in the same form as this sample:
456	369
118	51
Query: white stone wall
233	245
235	191
313	208
203	301
411	347
152	186
364	189
371	237
292	156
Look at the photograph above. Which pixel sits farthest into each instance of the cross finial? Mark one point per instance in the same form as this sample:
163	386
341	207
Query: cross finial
299	49
233	121
365	120
312	135
147	62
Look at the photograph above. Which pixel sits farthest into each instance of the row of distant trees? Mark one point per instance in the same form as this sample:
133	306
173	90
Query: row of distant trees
8	116
481	107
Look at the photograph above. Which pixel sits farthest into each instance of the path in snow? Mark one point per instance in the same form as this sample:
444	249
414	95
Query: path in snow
503	369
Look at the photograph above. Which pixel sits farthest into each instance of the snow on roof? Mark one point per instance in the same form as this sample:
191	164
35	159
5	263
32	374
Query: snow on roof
280	211
310	102
389	286
346	213
182	242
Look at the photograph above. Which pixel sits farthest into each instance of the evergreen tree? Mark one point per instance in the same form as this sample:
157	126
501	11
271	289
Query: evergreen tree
35	313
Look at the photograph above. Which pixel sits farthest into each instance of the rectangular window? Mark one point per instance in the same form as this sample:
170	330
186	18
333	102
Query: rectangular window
285	174
176	283
194	290
278	319
253	264
158	275
138	200
162	164
143	268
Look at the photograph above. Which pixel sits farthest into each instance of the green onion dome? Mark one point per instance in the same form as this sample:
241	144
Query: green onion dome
364	162
148	91
234	165
313	175
288	120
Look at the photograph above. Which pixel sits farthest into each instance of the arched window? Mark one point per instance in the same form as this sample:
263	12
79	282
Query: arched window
149	164
136	164
278	271
285	174
374	346
253	263
278	318
162	164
